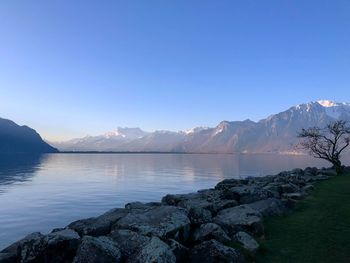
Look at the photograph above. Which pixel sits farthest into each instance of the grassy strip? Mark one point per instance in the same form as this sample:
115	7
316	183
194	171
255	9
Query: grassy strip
317	231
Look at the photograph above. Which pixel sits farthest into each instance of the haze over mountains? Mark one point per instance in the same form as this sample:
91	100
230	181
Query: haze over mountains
275	134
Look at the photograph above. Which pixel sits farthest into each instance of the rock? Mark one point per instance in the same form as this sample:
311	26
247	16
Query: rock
223	204
327	172
297	171
11	251
139	205
128	241
269	207
247	241
98	250
274	189
229	183
293	196
162	221
240	217
310	171
308	188
154	250
98	226
289	188
320	177
213	251
139	248
210	231
176	199
59	246
199	215
247	194
180	251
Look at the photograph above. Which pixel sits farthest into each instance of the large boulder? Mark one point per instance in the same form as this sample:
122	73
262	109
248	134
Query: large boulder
229	183
213	251
246	241
154	250
139	248
199	215
10	252
269	207
98	226
210	231
59	246
98	250
128	241
162	221
241	217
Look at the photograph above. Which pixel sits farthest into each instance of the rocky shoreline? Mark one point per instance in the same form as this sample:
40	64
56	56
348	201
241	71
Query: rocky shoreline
221	224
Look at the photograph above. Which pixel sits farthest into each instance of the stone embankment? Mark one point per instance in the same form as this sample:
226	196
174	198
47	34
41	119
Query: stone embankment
213	225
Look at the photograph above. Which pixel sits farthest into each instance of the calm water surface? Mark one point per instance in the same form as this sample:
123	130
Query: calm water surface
38	193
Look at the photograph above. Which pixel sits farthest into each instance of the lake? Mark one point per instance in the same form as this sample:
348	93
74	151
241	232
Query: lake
38	193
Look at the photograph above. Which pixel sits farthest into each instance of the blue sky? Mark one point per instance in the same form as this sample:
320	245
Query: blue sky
71	68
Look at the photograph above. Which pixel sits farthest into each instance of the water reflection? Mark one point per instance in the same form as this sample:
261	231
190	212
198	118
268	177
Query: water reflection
38	193
18	168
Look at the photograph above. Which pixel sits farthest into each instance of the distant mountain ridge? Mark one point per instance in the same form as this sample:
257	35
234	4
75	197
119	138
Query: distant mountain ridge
21	139
275	134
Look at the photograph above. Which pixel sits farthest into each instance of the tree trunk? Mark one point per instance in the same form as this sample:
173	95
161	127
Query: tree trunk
338	166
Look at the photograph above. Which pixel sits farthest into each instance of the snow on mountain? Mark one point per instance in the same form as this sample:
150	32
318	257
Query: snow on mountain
275	134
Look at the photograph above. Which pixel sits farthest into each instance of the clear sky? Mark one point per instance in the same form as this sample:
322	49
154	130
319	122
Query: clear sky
71	68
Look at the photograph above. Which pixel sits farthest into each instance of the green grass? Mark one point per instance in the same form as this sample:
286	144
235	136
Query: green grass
318	230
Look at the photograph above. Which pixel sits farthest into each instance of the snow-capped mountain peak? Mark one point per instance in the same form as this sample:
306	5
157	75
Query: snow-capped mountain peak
195	129
327	103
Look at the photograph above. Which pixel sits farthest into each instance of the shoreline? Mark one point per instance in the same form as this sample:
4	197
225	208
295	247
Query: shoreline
180	228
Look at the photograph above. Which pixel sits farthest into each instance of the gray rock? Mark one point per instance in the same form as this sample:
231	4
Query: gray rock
162	221
247	241
128	241
213	251
154	250
240	217
98	226
308	188
269	207
10	252
199	215
139	248
274	189
210	231
327	172
180	251
289	188
139	205
58	246
98	250
310	171
229	183
247	194
293	196
171	199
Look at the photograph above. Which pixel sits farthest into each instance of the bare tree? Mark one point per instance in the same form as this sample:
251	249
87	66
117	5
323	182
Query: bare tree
327	143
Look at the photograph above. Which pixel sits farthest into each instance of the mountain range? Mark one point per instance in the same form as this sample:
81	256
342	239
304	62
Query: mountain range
21	139
275	134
